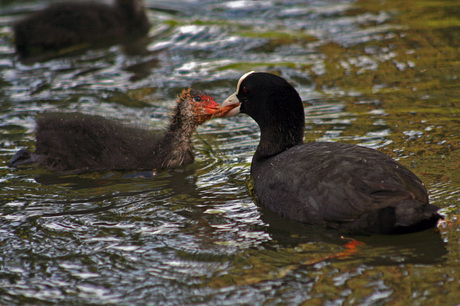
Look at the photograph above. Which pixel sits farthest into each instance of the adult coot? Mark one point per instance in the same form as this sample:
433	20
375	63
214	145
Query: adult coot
63	25
340	185
75	142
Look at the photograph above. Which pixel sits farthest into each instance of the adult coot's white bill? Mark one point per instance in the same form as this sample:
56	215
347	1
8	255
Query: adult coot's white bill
340	185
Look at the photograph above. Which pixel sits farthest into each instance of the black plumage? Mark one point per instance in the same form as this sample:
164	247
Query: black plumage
344	186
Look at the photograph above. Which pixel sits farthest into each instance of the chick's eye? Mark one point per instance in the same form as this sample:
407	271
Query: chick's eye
245	90
198	99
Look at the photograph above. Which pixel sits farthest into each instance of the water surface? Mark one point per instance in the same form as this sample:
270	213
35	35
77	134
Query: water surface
382	74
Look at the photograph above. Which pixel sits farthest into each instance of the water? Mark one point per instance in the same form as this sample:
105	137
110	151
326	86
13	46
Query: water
379	74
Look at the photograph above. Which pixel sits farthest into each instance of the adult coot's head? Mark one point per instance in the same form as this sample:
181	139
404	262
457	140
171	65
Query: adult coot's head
276	107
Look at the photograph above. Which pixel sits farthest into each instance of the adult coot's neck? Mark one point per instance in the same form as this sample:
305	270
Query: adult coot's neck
276	137
277	108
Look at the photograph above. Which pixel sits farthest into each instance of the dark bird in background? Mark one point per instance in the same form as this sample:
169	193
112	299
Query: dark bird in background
75	142
340	185
79	25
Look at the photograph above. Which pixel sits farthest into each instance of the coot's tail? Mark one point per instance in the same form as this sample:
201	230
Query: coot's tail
405	217
409	220
22	157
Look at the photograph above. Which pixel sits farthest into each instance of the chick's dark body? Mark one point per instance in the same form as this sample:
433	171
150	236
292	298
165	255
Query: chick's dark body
75	142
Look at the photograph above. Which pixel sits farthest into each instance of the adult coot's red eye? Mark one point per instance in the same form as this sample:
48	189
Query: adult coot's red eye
339	185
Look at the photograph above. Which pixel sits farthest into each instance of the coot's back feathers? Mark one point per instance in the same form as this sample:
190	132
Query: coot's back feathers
75	142
63	25
339	185
346	186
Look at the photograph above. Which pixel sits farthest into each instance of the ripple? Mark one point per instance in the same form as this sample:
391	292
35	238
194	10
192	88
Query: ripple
368	73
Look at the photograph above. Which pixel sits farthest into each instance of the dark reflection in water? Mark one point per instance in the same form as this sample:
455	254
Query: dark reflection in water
425	247
378	74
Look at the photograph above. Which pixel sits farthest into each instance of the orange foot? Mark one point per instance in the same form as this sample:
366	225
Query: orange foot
350	249
447	222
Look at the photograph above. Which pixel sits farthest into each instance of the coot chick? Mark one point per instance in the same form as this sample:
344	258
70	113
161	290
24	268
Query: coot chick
339	185
75	142
64	25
